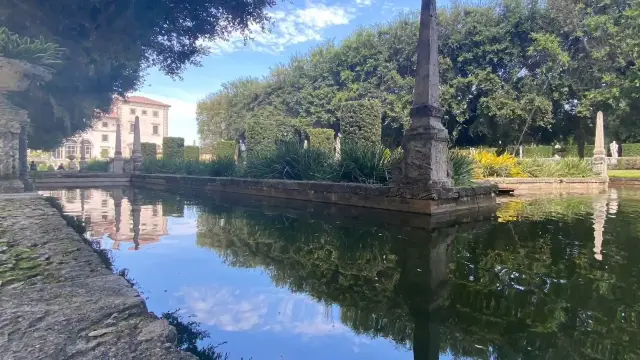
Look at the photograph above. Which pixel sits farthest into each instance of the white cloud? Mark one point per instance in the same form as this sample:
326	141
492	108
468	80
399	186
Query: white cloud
363	3
290	27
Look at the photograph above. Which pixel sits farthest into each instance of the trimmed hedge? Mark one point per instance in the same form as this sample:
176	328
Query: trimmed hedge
361	121
149	150
261	136
626	163
173	148
224	149
322	139
192	152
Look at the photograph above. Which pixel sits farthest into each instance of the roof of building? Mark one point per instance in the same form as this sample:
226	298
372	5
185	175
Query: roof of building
145	100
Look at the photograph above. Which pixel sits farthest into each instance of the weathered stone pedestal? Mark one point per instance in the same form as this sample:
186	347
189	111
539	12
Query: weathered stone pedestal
599	153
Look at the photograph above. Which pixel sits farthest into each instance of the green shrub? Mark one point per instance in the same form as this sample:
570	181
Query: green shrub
536	152
217	168
149	150
225	149
626	163
462	165
364	162
360	121
291	161
97	165
322	139
38	52
191	152
50	167
173	148
43	167
261	136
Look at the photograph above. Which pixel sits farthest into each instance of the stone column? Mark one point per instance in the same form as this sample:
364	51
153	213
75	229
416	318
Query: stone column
83	156
137	151
338	146
118	165
135	212
22	150
425	143
117	204
599	152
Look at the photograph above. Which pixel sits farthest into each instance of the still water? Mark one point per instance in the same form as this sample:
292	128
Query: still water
552	279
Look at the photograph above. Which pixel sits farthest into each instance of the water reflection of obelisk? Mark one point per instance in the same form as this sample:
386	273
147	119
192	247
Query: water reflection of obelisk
599	216
117	203
424	286
135	202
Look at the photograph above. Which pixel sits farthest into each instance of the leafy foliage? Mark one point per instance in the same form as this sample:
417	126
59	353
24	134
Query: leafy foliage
489	164
97	165
217	168
109	46
322	139
149	150
360	121
562	168
225	149
172	148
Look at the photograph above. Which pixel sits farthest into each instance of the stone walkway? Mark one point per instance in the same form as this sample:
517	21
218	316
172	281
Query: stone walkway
59	301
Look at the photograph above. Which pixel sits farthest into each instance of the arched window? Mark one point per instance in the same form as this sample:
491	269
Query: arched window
70	148
88	148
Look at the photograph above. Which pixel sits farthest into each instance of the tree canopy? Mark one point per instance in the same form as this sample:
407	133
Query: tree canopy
512	71
109	44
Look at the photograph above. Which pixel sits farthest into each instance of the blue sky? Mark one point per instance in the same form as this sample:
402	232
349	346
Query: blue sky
298	25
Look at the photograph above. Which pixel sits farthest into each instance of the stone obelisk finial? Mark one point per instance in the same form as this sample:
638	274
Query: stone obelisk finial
425	143
599	152
118	163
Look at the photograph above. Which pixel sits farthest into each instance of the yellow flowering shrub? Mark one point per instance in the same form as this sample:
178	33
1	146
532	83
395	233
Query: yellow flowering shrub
488	164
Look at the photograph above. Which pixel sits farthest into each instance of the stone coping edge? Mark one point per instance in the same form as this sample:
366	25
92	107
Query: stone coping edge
407	199
505	181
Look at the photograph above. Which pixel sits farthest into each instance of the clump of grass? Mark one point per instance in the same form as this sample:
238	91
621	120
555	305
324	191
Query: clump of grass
363	162
563	168
217	168
291	161
462	165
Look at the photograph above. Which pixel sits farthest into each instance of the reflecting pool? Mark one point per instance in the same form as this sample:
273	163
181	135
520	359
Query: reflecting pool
542	279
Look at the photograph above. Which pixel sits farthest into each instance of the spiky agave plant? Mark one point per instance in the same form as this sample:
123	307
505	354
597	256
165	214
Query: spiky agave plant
38	52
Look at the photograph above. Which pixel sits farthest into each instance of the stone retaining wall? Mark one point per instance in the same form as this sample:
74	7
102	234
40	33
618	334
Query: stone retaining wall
59	301
405	199
54	179
552	186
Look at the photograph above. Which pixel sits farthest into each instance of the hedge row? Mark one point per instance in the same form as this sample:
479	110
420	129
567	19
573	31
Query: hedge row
361	121
192	152
173	148
149	150
628	150
322	139
224	149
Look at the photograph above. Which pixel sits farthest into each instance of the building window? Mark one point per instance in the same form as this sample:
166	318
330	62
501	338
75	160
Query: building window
70	148
132	127
156	113
155	129
105	138
132	111
104	203
104	152
144	112
154	210
105	124
88	149
58	154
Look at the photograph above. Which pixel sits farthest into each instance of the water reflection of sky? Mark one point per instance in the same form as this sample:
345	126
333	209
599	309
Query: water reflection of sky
242	306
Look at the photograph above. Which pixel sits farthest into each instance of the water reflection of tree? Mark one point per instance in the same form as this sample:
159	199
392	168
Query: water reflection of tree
189	334
524	289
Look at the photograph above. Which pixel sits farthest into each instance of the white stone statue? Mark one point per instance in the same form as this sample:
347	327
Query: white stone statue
614	147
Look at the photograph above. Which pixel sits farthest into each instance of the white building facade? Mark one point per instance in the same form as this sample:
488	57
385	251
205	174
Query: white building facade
100	141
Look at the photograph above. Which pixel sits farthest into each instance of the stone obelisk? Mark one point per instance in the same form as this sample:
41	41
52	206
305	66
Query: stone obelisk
599	152
118	163
137	148
425	143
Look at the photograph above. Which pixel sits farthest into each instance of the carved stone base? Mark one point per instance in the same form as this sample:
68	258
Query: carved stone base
426	156
599	166
118	166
